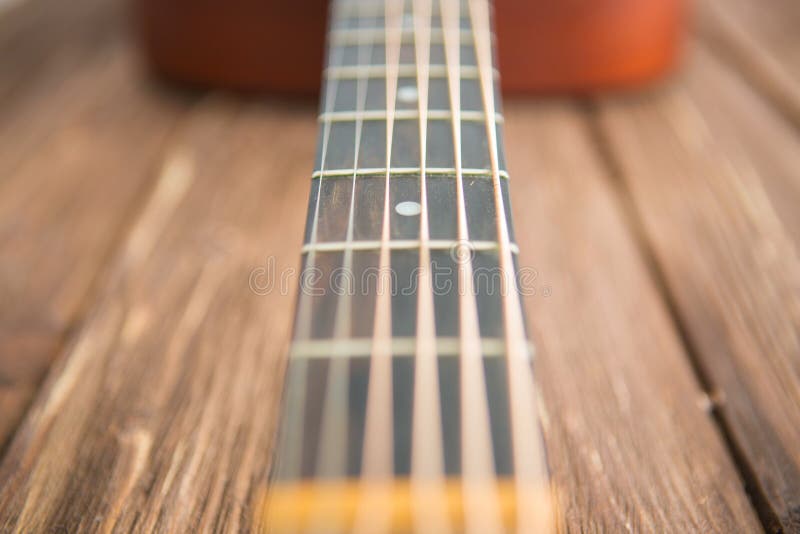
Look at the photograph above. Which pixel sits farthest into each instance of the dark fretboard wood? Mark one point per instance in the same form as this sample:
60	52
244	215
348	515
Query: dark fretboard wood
410	399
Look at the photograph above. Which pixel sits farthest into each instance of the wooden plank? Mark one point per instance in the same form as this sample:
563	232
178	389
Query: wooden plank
721	223
75	158
161	415
761	38
631	444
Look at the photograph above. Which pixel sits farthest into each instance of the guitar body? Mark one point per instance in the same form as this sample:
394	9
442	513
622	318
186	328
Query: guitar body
543	45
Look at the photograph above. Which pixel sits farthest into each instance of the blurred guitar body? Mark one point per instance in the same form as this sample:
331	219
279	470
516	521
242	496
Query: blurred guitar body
574	46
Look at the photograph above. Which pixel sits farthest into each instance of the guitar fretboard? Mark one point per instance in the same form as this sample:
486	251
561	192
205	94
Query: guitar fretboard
409	401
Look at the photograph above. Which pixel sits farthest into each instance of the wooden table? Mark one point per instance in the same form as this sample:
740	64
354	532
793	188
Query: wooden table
139	371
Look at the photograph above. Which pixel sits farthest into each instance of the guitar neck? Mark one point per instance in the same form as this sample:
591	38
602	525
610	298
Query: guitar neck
409	402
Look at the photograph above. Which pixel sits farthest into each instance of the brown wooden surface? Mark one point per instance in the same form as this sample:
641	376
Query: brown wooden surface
723	238
74	166
629	437
663	227
166	396
760	38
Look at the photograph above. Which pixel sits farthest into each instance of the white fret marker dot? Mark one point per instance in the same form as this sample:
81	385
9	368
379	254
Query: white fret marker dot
408	209
407	94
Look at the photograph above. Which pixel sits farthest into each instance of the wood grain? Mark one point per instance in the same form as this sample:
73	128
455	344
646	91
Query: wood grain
46	40
761	39
722	237
743	121
631	444
160	415
74	161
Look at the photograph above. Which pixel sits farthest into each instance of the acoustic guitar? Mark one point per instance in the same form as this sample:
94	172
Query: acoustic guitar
410	403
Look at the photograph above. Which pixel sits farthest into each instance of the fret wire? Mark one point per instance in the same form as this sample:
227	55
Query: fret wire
405	244
365	9
375	36
404	114
438	171
352	72
360	347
